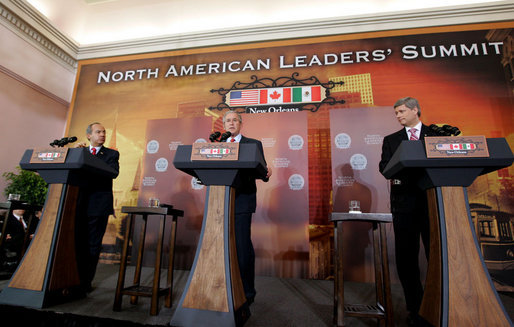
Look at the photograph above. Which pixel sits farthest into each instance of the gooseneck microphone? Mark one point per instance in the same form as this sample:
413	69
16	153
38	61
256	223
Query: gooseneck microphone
214	137
451	129
71	139
446	130
62	142
225	136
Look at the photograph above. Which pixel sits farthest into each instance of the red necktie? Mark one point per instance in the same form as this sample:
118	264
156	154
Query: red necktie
232	140
93	151
413	136
22	223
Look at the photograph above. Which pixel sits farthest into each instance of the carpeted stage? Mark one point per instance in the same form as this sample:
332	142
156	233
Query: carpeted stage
279	302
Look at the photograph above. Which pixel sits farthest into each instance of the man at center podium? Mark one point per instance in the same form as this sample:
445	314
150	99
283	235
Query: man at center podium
245	205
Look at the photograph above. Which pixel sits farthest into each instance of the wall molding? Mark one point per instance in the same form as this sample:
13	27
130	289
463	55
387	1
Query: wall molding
36	35
496	12
27	22
33	86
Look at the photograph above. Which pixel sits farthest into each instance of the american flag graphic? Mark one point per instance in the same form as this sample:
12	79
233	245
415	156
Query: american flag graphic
215	151
456	146
277	95
243	97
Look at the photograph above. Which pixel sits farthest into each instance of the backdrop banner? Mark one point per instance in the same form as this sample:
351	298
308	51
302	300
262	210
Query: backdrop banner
280	234
356	150
299	95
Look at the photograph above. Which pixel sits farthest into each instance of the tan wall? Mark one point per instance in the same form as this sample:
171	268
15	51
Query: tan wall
35	92
28	119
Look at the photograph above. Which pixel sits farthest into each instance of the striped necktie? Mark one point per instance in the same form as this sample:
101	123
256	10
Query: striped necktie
413	136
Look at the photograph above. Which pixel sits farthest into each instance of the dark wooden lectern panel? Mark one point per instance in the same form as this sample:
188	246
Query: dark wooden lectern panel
208	287
31	273
207	290
48	272
214	294
479	294
458	290
33	268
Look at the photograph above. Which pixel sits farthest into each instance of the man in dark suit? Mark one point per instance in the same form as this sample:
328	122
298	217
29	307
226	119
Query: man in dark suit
95	206
18	228
408	206
245	205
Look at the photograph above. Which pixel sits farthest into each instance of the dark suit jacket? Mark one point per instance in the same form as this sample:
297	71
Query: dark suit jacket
246	189
406	197
99	194
17	231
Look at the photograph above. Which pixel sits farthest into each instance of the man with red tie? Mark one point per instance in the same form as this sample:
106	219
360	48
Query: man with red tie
245	205
15	231
95	206
409	207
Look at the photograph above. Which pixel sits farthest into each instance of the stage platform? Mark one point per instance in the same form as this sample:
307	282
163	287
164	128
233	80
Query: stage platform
279	302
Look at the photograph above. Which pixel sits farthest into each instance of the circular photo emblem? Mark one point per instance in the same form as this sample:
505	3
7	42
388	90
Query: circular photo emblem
358	161
296	182
295	142
195	184
152	146
161	165
343	141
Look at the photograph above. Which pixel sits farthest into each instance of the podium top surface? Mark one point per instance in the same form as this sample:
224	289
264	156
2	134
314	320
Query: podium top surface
18	205
365	216
161	210
411	155
76	159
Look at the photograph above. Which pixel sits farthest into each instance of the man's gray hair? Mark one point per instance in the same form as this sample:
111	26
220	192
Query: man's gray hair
233	112
89	128
410	103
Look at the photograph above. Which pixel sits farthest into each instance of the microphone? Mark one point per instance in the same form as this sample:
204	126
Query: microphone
438	131
71	139
214	136
65	140
225	136
451	129
446	130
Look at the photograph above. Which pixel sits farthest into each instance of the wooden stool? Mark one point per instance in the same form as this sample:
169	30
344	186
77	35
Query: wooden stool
383	309
137	290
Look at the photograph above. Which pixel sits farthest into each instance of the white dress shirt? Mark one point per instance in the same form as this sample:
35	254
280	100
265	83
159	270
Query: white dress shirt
237	138
96	147
21	220
418	130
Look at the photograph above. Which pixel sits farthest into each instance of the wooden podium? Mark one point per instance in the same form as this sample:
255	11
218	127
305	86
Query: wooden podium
48	271
458	288
214	295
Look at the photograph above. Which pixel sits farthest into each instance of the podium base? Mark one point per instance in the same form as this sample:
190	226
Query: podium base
205	318
39	299
214	294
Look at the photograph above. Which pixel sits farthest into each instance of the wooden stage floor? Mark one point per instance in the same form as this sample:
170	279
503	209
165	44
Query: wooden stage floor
279	302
